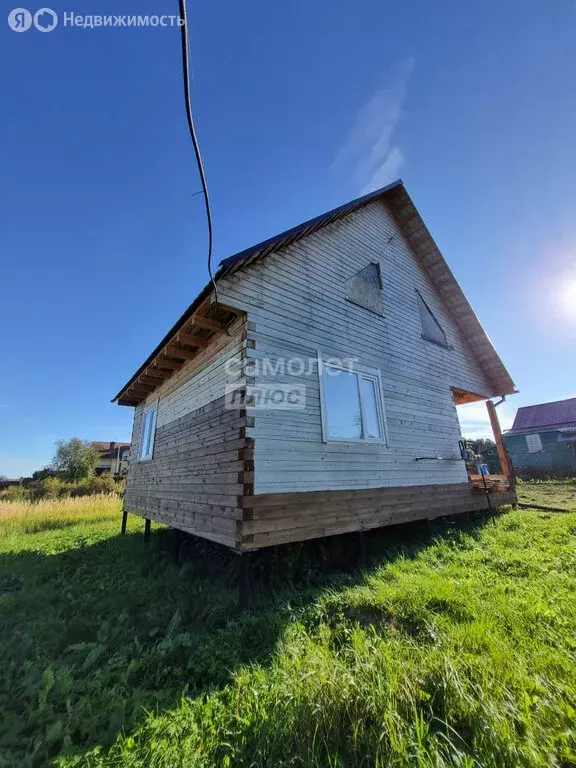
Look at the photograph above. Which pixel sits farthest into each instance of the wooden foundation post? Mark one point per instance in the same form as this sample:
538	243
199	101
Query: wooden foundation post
244	580
176	544
124	520
493	416
362	547
274	563
147	531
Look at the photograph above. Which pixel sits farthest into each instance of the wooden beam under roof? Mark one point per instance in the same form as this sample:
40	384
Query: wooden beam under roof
145	384
211	304
205	322
163	362
136	387
192	340
153	381
462	396
185	354
153	370
205	306
137	392
169	357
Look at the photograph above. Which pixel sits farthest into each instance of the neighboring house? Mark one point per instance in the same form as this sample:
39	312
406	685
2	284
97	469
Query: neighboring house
113	457
316	393
7	483
543	438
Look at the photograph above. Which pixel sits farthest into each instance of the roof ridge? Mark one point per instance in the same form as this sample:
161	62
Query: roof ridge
548	402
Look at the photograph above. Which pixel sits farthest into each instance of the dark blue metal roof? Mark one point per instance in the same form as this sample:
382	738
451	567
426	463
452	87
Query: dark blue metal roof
301	230
554	415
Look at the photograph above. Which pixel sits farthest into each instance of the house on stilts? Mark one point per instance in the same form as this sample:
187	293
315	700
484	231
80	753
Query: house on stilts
312	390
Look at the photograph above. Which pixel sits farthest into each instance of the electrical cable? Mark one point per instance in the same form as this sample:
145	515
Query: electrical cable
189	115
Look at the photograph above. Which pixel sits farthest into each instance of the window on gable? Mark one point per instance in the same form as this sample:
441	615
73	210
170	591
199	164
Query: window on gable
431	328
365	288
533	443
147	435
352	406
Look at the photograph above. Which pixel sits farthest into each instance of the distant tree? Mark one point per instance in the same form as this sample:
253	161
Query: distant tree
483	444
42	474
477	447
75	459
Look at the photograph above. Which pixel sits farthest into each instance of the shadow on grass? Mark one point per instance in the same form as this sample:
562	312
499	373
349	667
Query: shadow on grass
94	637
46	524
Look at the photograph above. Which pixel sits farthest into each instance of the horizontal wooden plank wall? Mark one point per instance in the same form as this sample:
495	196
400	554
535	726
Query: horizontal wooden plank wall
280	518
202	462
296	304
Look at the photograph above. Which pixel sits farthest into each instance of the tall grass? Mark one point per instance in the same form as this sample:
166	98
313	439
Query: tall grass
462	656
452	649
29	516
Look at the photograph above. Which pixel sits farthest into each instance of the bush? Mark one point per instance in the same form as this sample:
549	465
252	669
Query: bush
103	484
15	493
47	488
55	488
52	488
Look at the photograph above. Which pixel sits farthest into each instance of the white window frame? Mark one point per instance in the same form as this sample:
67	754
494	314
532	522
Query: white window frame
534	443
361	372
153	409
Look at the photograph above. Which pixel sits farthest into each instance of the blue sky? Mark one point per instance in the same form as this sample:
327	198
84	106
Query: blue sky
300	106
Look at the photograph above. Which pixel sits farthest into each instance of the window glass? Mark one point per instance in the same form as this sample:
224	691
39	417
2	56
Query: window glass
370	408
343	414
151	432
144	438
148	429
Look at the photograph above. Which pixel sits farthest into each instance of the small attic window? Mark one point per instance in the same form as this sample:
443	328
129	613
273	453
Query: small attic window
431	328
365	289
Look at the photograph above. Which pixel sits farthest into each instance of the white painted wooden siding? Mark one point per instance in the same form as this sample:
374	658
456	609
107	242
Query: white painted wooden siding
297	300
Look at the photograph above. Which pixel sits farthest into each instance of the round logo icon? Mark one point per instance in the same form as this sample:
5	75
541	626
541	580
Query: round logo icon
19	20
45	20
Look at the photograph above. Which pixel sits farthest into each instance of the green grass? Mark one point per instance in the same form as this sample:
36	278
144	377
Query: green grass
454	646
559	494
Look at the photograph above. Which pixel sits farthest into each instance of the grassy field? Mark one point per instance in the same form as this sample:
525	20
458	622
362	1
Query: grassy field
453	646
560	494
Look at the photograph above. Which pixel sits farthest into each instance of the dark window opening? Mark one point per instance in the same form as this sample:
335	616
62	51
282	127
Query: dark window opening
365	289
431	328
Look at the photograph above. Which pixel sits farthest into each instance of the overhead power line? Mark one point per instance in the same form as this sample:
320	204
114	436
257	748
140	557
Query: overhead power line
188	100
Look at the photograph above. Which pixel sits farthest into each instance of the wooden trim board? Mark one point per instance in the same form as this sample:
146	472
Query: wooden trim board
266	520
271	519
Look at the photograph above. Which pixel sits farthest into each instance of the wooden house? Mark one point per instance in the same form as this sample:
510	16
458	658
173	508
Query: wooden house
113	457
542	441
315	392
